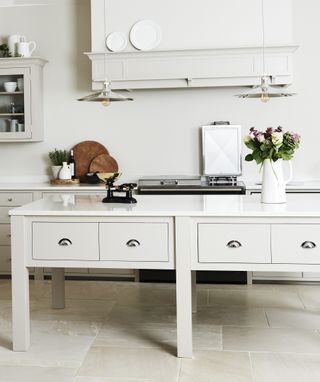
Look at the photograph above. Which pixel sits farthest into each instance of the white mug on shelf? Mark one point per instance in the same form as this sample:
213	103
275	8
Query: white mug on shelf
25	49
13	41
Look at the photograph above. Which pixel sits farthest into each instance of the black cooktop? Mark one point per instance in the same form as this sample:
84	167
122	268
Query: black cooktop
190	185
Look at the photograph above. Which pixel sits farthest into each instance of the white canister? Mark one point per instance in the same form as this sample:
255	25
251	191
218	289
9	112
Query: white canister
65	172
13	41
25	49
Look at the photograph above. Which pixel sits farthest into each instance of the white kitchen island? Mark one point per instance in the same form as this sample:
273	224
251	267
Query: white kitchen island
186	233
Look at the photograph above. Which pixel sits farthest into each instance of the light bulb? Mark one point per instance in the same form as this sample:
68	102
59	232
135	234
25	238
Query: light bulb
105	103
265	97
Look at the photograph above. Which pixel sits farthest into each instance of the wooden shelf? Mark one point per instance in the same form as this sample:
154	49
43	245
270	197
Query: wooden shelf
11	114
10	93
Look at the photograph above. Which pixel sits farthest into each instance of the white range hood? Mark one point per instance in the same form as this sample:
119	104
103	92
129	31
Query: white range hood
196	56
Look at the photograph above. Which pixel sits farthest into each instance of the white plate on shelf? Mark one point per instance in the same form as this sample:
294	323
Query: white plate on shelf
116	42
146	35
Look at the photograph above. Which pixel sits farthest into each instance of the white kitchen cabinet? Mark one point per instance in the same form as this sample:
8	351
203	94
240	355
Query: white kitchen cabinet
9	200
21	111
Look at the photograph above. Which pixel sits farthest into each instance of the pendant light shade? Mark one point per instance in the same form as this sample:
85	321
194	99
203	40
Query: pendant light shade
105	96
264	91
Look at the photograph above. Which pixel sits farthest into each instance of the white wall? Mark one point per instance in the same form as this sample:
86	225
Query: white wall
158	133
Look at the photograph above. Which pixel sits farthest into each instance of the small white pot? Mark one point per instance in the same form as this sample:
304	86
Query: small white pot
273	183
55	171
65	172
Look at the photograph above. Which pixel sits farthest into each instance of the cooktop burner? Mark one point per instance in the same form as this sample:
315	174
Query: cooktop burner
190	185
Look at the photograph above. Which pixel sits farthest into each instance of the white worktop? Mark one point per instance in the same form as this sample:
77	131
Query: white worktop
28	185
172	205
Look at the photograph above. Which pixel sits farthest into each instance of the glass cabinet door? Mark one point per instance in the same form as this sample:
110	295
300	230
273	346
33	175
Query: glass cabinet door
15	110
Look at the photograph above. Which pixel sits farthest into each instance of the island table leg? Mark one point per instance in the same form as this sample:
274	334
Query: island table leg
58	288
183	288
20	286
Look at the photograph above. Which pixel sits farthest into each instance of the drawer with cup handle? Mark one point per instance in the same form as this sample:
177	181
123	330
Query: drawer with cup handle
65	241
15	198
295	243
135	241
233	243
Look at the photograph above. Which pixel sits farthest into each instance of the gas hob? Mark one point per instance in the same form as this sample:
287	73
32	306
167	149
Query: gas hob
190	185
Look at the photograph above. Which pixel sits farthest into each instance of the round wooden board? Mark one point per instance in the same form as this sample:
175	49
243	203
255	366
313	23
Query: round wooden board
104	163
84	152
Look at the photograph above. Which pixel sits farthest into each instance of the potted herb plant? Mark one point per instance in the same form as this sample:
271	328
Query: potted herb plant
270	148
4	51
57	157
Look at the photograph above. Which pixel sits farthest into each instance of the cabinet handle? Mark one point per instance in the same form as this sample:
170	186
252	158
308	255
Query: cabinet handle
64	242
308	245
133	243
234	244
10	199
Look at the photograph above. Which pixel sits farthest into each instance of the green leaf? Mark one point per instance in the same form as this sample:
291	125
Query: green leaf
249	158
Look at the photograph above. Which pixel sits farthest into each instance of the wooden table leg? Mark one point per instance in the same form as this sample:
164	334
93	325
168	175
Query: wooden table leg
20	286
183	288
58	288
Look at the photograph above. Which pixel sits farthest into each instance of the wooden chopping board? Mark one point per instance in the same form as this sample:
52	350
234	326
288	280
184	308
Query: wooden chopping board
84	152
104	163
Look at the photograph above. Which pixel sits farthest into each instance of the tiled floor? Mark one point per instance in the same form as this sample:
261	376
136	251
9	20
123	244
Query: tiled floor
118	332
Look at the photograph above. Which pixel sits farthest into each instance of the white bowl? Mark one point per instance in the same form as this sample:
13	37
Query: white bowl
10	87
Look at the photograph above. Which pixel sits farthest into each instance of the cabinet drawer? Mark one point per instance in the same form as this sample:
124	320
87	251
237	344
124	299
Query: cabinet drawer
15	198
289	240
65	241
5	259
4	214
233	243
134	241
5	234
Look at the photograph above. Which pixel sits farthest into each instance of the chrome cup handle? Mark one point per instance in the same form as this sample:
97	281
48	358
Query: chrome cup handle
64	242
133	243
308	245
234	244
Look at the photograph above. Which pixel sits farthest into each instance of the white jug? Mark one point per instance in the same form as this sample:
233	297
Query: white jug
65	172
273	183
13	41
25	49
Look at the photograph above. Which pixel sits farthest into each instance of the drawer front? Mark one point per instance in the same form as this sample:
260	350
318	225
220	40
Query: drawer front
15	198
233	243
5	236
4	214
136	241
65	241
5	259
291	242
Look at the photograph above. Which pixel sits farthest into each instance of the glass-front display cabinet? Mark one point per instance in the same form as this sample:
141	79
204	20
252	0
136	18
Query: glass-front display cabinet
21	99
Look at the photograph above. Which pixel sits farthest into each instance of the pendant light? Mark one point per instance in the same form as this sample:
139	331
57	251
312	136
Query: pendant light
264	91
105	96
